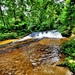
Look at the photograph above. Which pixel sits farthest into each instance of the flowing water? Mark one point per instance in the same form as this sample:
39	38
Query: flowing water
39	35
33	56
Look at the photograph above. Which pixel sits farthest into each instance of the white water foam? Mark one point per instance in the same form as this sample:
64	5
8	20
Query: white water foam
39	35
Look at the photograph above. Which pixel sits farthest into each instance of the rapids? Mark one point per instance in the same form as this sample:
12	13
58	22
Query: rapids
33	57
44	34
38	53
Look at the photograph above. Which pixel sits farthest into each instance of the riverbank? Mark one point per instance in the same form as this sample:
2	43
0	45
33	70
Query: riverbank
7	41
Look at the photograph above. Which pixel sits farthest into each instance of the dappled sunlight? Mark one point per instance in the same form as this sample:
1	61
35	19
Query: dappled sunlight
7	41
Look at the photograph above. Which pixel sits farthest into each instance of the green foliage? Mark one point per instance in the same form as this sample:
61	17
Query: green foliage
66	18
26	16
8	36
1	37
70	62
73	31
68	49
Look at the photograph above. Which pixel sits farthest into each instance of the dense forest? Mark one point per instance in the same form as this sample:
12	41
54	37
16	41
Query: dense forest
21	17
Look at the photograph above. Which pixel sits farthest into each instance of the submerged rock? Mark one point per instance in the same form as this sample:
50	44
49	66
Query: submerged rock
32	57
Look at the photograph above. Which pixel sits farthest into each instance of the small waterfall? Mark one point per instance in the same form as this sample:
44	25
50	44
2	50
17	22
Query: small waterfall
39	35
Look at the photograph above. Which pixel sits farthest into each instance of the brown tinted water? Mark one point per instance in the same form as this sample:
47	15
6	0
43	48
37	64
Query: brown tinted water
32	57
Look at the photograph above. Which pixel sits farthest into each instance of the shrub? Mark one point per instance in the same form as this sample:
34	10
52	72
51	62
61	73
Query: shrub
5	36
68	49
1	36
73	31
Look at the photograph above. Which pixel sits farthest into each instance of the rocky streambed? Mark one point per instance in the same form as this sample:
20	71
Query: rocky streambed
33	57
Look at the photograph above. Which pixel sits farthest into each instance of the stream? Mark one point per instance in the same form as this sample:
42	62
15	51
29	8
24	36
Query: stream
32	56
